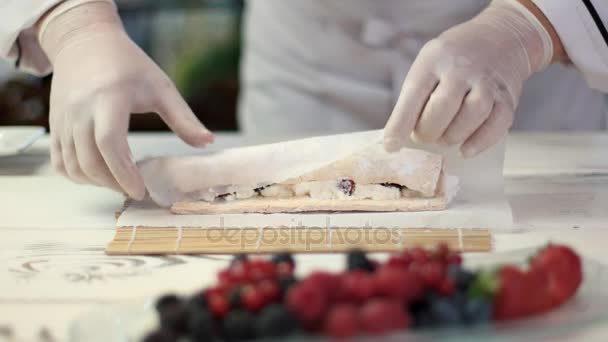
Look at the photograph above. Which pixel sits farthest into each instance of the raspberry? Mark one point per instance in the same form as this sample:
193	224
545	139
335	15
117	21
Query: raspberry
342	321
285	268
442	252
379	316
347	186
262	269
454	259
270	290
240	272
224	277
357	285
327	283
446	287
432	273
400	260
218	304
419	255
398	283
252	298
307	302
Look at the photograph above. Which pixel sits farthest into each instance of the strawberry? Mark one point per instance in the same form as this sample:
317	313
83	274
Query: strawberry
539	299
511	298
563	268
398	283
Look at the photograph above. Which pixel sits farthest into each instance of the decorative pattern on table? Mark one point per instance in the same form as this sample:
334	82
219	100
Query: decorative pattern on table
86	264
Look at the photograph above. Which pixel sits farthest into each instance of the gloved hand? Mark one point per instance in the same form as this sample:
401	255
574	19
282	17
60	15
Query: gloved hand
464	86
100	78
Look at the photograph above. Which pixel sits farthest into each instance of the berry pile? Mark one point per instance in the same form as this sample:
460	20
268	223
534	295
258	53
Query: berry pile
417	288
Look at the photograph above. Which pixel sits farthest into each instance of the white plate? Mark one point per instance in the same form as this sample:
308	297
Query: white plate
129	322
15	139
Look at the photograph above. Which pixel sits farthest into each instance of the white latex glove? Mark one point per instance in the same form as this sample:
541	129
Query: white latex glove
100	78
464	86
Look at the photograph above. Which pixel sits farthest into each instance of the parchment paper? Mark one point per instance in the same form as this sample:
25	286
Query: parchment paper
480	202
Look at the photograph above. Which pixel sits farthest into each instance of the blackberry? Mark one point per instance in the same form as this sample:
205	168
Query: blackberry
234	298
285	282
477	310
172	314
461	277
238	258
175	319
238	326
421	312
200	325
166	301
357	260
275	321
283	257
160	336
347	186
198	301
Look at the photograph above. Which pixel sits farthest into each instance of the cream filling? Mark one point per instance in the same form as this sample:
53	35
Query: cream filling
318	190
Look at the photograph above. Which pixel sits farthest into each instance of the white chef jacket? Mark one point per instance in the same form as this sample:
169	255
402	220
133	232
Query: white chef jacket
338	65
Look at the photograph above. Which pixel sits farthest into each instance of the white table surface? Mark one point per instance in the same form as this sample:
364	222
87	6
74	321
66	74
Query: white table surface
52	232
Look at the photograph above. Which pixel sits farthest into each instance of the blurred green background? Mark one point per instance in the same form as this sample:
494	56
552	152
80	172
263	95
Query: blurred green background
196	42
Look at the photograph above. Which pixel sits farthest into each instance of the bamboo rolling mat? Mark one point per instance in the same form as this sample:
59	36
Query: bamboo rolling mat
196	240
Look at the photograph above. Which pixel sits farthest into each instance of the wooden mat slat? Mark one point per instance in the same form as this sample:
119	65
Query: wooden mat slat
166	240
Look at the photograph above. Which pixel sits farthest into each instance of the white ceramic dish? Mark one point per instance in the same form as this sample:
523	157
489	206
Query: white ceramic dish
16	139
130	322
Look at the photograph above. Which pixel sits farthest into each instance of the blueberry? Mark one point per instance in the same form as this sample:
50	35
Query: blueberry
285	282
461	277
200	325
275	321
160	336
477	310
234	298
283	257
166	301
357	260
446	312
347	186
238	325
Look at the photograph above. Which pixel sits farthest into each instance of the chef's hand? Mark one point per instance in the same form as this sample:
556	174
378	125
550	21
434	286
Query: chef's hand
464	86
100	78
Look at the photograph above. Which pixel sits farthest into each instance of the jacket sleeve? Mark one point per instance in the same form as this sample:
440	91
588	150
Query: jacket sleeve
582	27
18	37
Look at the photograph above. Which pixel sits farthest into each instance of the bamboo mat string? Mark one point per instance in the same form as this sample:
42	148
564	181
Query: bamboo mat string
178	241
132	239
328	233
460	239
259	241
